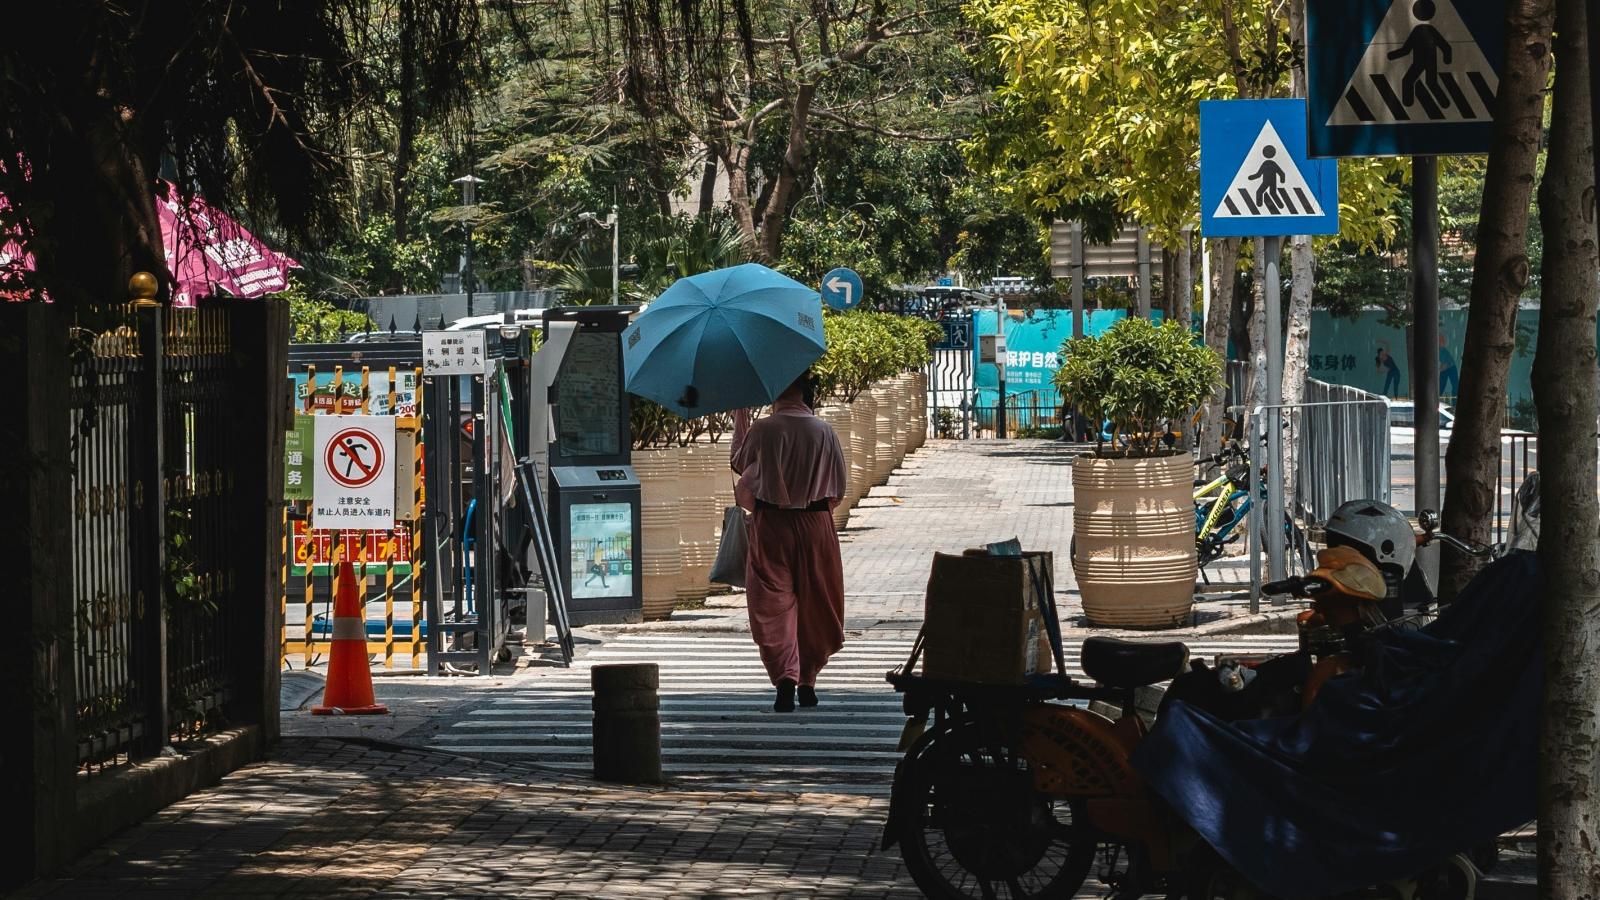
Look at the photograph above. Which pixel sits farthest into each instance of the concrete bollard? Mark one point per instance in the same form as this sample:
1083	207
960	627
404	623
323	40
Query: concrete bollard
627	723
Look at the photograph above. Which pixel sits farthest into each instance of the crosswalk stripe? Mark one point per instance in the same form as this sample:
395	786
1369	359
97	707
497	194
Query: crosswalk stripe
1449	81
717	724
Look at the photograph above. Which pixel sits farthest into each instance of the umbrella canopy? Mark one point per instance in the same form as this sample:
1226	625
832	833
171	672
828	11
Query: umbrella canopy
206	251
723	340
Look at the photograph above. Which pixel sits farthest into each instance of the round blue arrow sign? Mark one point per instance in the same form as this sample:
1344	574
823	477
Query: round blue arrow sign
841	289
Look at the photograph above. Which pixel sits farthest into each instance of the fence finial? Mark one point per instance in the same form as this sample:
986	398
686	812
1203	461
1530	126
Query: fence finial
144	287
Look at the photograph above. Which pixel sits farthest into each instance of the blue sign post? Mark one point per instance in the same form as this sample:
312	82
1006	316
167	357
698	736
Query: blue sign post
841	289
1256	179
1403	77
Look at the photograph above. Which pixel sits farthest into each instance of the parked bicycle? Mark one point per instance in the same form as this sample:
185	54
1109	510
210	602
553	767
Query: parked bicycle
1222	506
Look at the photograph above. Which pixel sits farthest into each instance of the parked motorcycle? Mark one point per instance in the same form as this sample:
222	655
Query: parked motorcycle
1013	793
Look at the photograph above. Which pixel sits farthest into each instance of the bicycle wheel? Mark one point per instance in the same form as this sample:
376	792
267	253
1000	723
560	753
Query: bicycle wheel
976	829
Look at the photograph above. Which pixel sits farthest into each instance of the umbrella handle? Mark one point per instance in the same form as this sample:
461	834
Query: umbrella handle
690	398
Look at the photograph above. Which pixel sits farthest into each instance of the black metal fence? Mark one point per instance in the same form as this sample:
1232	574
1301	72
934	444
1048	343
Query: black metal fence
144	499
156	586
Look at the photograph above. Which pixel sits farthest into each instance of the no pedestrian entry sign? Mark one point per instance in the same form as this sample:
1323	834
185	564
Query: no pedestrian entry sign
1403	77
1255	177
353	483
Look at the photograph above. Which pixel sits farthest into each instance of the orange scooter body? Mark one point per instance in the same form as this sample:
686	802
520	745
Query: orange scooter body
1085	756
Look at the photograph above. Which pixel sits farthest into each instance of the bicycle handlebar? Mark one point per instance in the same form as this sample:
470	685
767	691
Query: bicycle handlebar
1461	546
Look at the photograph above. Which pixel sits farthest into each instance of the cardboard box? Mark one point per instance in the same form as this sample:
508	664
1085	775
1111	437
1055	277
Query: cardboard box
981	619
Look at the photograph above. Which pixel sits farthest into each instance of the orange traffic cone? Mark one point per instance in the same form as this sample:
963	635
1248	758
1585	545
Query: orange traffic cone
348	691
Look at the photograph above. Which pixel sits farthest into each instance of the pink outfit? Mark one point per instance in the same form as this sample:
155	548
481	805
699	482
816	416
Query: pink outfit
789	459
794	577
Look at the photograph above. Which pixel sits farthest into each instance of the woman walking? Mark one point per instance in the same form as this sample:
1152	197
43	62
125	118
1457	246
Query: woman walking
791	474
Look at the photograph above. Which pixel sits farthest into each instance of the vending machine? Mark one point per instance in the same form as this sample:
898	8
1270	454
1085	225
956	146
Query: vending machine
594	496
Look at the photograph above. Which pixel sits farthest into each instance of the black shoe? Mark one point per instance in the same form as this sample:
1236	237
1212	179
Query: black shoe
785	701
808	695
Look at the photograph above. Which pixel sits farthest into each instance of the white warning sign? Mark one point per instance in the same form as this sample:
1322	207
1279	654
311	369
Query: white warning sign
1268	183
1421	67
353	482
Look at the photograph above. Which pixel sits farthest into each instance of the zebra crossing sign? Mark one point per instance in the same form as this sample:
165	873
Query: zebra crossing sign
1403	77
1255	177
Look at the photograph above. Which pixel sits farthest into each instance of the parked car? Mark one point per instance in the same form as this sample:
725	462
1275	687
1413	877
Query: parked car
1403	421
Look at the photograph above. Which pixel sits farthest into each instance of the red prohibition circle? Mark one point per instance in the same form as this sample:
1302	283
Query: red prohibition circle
361	462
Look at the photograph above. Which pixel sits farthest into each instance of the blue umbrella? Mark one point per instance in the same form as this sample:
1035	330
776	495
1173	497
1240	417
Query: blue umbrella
723	340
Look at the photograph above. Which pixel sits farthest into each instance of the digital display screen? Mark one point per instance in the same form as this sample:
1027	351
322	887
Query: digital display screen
589	397
602	550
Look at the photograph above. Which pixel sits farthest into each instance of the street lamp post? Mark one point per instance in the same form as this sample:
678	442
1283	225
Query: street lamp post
469	197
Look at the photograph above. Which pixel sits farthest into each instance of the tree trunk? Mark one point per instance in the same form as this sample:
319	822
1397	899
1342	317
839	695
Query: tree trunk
1569	540
405	144
1499	276
739	200
1258	346
708	184
776	212
1224	275
1183	303
1169	287
1296	348
1302	270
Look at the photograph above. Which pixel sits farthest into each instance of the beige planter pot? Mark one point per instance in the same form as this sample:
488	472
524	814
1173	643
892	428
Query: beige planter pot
884	459
842	420
900	389
919	410
701	468
864	464
660	529
1133	535
661	575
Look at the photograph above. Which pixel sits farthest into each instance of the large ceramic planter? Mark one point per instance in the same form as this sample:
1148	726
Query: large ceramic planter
701	468
865	463
1133	537
883	459
839	418
660	518
901	391
919	409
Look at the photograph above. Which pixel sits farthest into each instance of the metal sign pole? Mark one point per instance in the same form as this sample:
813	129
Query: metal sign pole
1273	527
1000	359
1425	340
1253	522
1078	269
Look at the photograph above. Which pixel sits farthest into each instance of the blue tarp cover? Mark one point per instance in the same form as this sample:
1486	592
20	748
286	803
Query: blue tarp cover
1431	749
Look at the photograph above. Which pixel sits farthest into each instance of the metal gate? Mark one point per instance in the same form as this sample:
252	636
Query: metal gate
950	379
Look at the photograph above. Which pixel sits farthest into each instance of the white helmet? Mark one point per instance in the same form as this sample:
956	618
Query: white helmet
1377	530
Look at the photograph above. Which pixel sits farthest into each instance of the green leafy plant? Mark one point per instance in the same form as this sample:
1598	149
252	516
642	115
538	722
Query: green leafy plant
1140	376
867	347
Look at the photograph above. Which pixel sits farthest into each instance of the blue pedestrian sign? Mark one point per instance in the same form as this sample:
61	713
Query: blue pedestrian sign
1255	177
1403	77
841	289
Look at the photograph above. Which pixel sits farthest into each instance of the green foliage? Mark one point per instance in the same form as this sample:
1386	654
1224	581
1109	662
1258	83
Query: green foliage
1096	114
313	320
1140	376
866	347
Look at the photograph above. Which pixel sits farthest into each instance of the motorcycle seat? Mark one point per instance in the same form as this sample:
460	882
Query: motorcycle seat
1132	664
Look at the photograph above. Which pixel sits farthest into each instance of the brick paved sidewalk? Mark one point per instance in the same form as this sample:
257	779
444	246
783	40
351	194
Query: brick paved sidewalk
327	817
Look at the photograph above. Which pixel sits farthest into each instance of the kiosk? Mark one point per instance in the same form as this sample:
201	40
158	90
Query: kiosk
583	413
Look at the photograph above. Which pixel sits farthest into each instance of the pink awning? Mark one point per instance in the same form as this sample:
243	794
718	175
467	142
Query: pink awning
206	250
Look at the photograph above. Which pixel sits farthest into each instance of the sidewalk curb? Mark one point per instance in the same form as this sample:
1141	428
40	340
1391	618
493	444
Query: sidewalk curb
1278	621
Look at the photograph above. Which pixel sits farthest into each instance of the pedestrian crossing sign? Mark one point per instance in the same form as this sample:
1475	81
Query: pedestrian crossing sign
1403	77
1255	177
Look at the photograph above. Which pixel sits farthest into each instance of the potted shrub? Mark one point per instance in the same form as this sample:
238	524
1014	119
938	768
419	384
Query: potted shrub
1133	514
